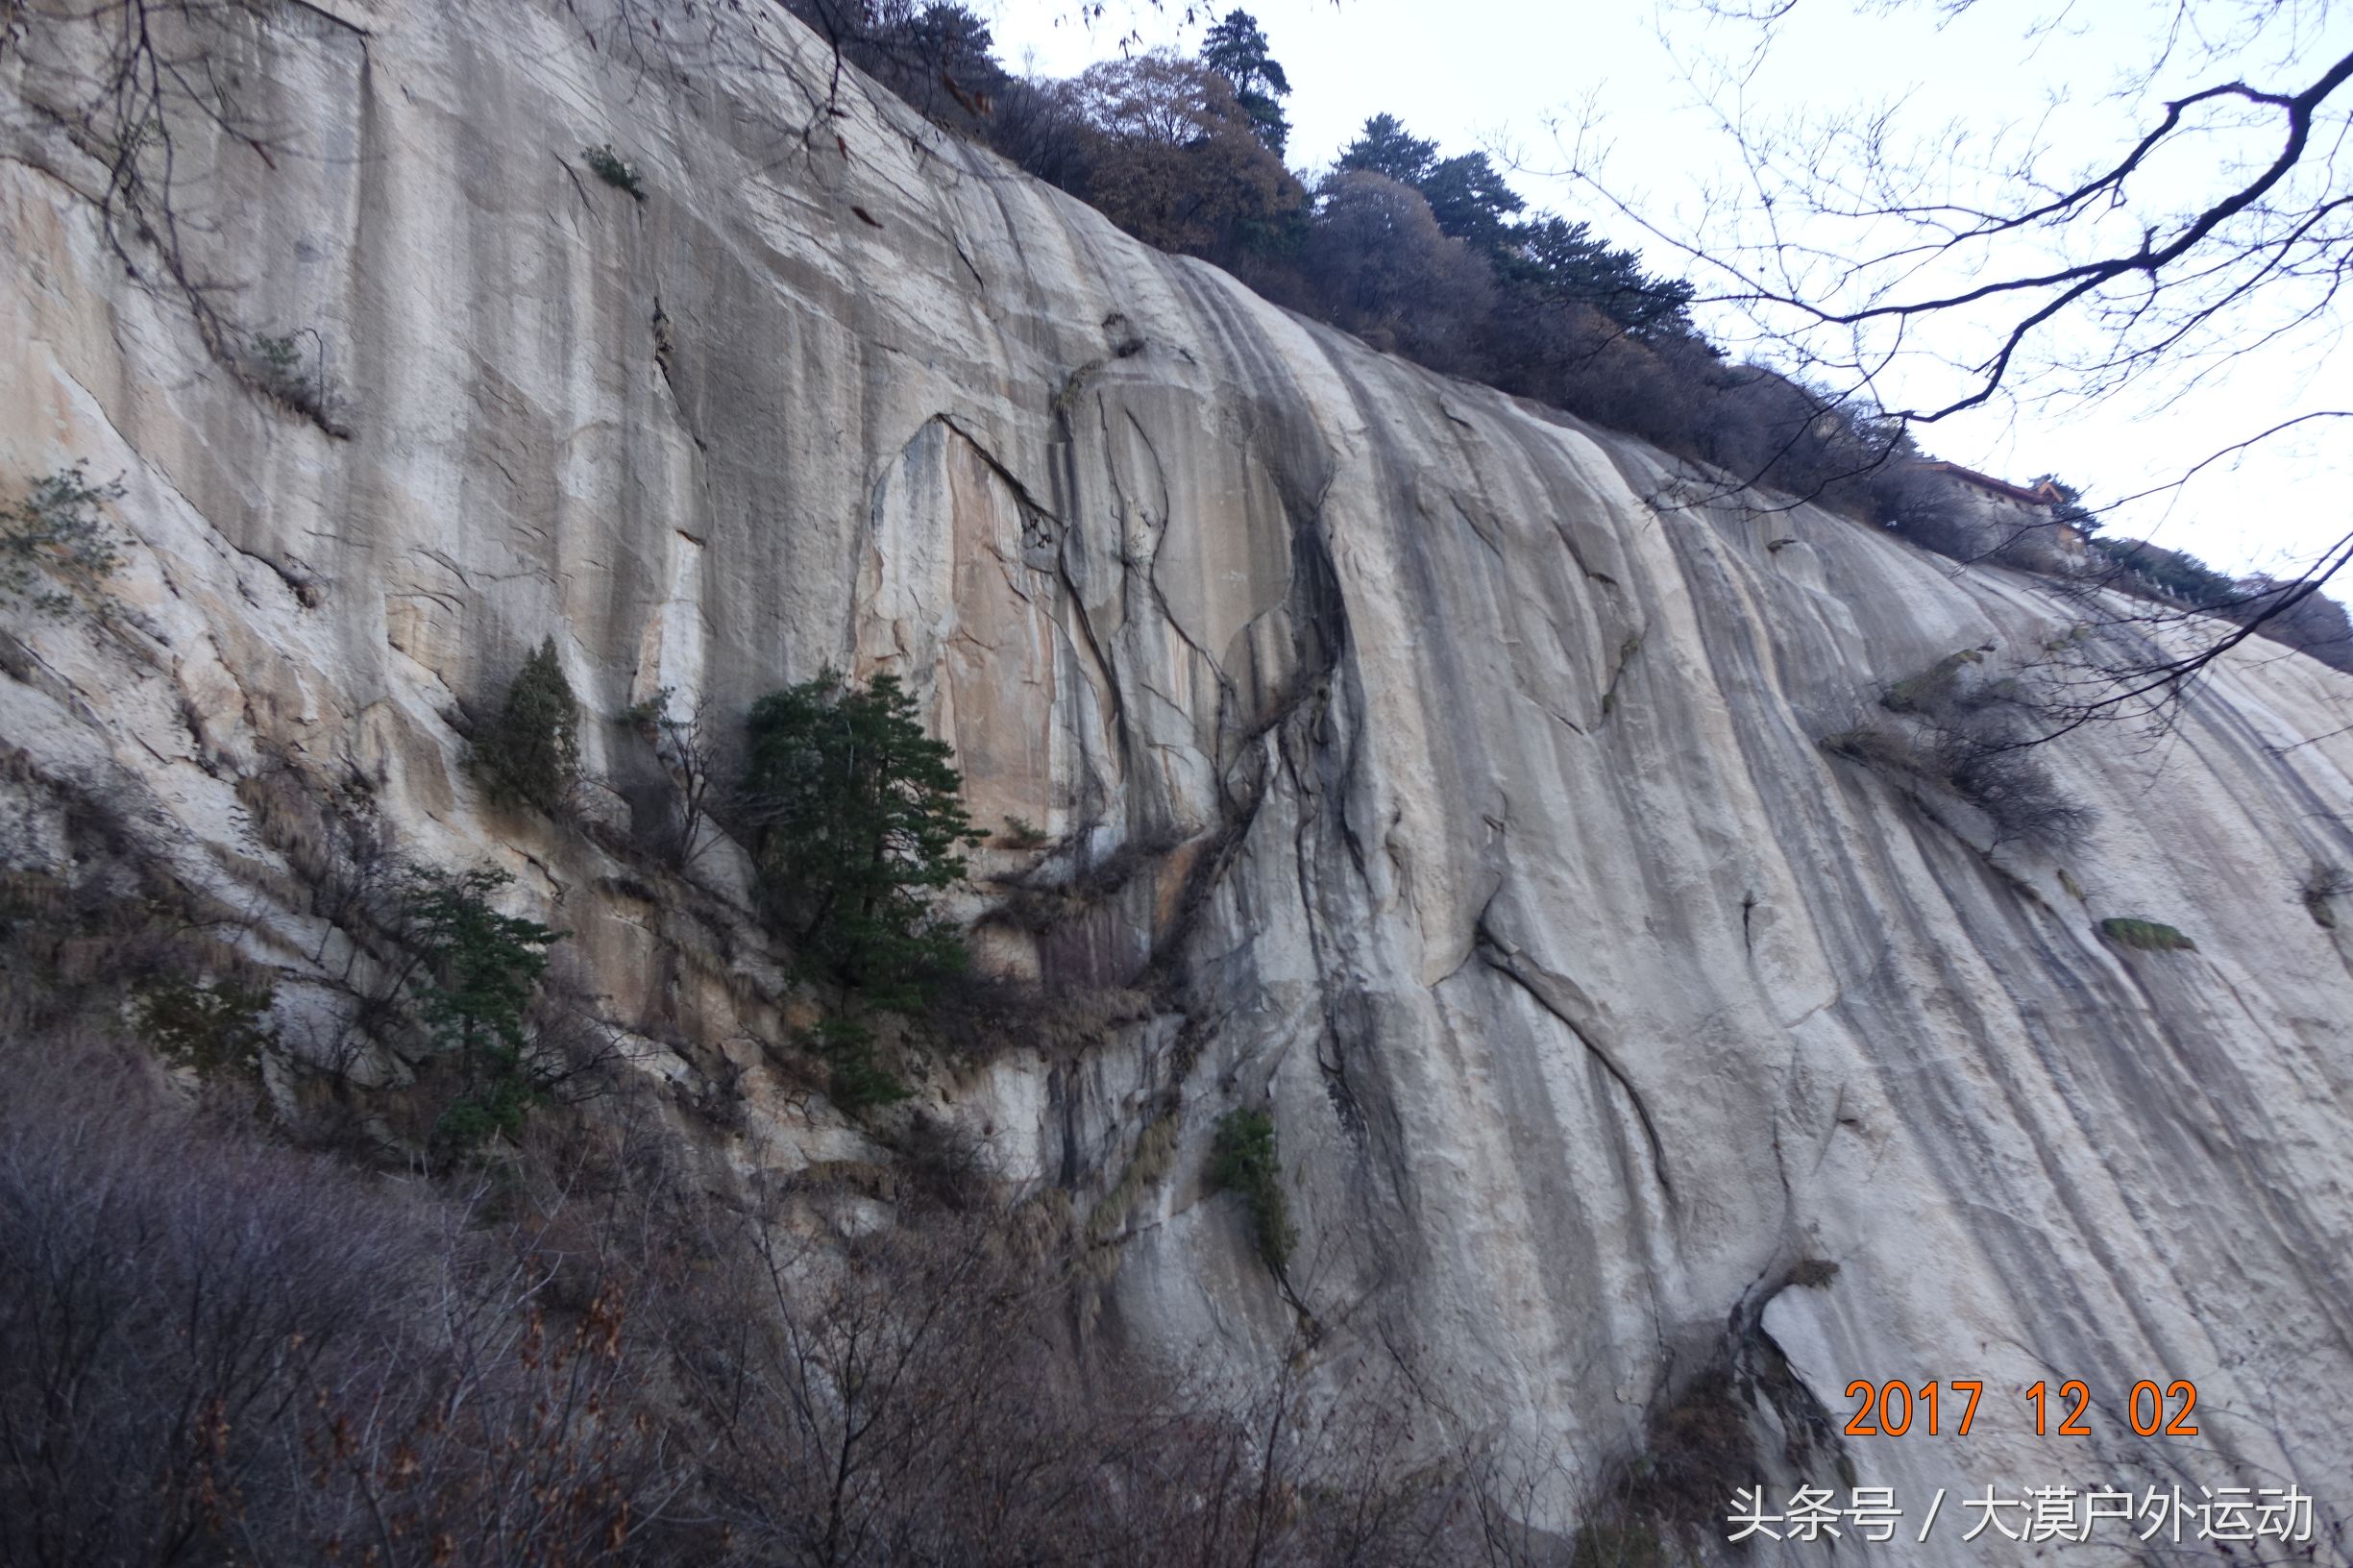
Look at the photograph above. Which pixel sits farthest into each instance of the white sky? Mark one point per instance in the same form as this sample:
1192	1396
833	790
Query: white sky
1489	74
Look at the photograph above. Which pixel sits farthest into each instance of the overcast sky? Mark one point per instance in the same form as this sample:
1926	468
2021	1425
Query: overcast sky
1489	74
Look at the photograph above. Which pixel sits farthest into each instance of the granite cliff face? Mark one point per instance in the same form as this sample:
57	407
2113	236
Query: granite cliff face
1460	796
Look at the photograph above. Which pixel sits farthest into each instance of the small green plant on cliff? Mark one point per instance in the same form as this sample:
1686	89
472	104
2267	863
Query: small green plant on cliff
280	356
219	1030
281	365
857	828
2147	936
529	756
1020	833
613	169
1246	1161
54	550
476	972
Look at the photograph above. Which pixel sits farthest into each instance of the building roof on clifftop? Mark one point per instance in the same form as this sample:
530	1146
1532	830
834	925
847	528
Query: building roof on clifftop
2044	494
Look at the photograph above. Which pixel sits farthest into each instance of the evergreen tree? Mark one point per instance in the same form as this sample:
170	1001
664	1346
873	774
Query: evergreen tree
957	40
1386	148
939	57
1236	48
1559	261
1469	197
2174	571
55	535
1244	1160
531	754
858	826
1564	263
476	972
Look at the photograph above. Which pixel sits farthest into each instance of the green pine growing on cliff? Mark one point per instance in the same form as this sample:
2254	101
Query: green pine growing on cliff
478	971
858	828
529	756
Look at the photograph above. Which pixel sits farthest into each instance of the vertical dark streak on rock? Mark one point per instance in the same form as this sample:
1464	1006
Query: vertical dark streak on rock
1504	964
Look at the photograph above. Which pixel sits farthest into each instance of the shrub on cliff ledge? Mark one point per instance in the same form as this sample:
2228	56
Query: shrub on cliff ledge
529	756
1974	735
2145	936
614	170
1245	1161
219	1030
857	828
54	536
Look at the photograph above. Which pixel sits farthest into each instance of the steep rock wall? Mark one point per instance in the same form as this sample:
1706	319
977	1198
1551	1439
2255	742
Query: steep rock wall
1462	796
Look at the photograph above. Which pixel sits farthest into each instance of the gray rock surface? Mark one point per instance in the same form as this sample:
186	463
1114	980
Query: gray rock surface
1464	791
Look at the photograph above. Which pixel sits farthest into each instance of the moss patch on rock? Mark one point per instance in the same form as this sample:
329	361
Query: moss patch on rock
2145	936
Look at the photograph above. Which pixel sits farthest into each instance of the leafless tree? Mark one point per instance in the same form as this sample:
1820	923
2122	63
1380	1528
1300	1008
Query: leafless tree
214	1349
686	742
149	94
1391	276
1927	272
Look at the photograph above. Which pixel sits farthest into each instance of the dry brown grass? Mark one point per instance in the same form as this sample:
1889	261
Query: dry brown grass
978	1019
1971	737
